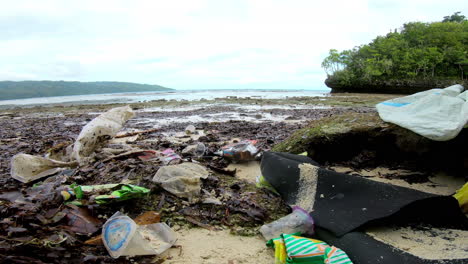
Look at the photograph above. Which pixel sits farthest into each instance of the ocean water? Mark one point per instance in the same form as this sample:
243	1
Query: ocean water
190	95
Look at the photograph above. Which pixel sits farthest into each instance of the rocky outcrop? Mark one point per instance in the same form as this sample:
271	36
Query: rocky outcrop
365	141
391	86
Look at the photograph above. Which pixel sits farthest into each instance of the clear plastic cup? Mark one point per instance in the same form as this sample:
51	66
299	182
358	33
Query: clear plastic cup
123	237
117	233
297	221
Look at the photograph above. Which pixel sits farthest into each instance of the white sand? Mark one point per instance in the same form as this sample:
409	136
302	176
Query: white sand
204	246
307	186
435	243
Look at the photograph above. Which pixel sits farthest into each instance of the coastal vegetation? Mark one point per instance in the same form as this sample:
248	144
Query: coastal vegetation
31	89
418	52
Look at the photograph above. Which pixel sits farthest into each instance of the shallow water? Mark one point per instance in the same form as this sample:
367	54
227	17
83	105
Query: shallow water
189	95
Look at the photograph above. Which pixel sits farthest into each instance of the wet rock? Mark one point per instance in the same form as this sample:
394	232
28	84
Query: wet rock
363	140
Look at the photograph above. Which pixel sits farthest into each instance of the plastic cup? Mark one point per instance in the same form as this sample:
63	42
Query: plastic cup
117	233
297	221
123	237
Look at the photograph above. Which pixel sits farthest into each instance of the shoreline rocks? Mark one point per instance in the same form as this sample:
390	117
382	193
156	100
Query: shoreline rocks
391	86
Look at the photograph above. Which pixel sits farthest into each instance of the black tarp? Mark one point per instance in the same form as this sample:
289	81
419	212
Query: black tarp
345	203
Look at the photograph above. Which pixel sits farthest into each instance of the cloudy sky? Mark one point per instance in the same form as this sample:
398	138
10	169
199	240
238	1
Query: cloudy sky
195	44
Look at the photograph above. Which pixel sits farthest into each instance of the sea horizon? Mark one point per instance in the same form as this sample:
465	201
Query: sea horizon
176	94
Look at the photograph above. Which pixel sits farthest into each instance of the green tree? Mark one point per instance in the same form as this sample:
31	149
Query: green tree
333	62
437	50
456	17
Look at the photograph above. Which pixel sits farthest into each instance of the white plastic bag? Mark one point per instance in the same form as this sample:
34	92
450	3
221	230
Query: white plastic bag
26	168
438	114
105	125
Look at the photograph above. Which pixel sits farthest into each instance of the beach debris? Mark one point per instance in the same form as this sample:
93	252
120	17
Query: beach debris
438	114
147	218
85	195
101	128
123	237
462	197
37	221
190	129
182	180
148	155
134	133
124	140
292	248
26	168
170	157
242	151
299	221
80	220
140	153
196	150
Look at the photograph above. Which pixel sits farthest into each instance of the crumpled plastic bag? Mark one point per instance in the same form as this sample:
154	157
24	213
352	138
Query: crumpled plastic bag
105	125
182	180
438	114
26	168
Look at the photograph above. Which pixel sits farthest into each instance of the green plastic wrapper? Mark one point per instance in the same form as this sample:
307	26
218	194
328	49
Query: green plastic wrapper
93	194
292	248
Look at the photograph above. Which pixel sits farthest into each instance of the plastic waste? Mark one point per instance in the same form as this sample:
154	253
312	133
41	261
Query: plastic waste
123	237
299	221
103	127
169	157
85	195
201	149
462	197
291	248
26	168
147	218
182	180
190	129
242	151
148	155
196	150
438	114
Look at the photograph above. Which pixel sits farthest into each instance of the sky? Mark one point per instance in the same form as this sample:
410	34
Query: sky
195	44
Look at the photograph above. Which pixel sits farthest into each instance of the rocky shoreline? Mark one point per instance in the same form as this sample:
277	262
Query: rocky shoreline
391	86
311	124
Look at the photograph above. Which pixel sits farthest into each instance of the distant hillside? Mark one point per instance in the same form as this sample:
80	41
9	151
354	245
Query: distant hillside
31	89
